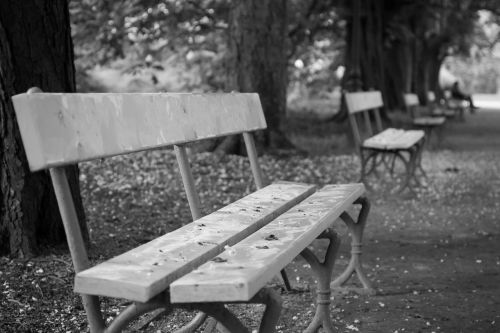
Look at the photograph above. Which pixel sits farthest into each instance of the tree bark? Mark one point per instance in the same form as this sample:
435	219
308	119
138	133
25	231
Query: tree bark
35	50
258	62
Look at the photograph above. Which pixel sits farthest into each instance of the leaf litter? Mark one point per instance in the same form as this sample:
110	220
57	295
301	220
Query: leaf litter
138	197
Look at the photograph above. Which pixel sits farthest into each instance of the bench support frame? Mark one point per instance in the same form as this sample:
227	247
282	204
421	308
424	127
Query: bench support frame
372	158
323	271
226	318
356	229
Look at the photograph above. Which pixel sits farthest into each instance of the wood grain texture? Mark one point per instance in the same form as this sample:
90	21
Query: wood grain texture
362	101
246	267
393	138
143	272
59	129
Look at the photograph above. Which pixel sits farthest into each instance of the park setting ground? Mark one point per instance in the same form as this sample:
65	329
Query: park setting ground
434	258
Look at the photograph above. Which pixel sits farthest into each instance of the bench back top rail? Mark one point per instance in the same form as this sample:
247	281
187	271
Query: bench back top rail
65	128
412	104
60	129
411	99
364	105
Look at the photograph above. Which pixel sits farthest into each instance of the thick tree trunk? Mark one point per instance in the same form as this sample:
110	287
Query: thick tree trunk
365	55
257	61
35	50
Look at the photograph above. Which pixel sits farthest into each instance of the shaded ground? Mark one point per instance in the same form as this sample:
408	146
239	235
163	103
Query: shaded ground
434	259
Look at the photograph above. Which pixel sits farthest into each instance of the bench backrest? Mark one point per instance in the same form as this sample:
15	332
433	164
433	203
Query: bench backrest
59	129
364	104
412	104
411	99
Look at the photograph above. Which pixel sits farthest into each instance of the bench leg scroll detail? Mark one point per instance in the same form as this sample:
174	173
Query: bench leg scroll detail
226	321
323	271
229	323
356	229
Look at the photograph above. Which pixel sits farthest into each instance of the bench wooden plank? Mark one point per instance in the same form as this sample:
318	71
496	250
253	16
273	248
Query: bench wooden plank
393	138
365	100
384	138
59	129
411	99
143	272
407	140
429	121
246	267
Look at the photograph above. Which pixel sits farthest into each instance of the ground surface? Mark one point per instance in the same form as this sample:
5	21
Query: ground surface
434	258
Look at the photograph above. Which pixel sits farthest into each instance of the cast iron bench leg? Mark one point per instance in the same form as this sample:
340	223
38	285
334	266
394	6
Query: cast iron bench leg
228	321
356	229
323	271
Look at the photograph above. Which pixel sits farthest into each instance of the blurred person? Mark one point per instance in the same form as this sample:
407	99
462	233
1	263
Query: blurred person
457	93
452	88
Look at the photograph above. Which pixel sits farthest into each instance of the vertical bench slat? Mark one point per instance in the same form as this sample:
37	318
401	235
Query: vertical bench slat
378	120
253	157
355	131
368	125
188	181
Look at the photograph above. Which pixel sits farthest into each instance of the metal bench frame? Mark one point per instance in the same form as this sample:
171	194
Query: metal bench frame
421	118
363	109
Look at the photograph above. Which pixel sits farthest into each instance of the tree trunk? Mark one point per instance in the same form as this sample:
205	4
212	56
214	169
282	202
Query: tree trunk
257	60
35	50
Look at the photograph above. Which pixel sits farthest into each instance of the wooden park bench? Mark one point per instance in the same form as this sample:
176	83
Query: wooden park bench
439	109
379	147
228	256
458	106
422	118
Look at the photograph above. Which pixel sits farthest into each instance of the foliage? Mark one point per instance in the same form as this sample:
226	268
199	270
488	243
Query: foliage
188	42
186	36
479	68
416	36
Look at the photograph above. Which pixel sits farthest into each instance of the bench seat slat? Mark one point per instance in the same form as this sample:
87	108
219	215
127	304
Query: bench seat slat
443	112
429	121
251	263
393	138
143	272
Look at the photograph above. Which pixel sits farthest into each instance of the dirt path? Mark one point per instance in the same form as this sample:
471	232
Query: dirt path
435	259
479	131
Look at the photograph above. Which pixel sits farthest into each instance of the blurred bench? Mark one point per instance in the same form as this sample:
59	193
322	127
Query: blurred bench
422	118
228	256
458	106
443	109
382	148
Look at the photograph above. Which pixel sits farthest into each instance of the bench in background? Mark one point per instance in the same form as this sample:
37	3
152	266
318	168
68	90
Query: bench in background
458	106
379	147
228	256
439	109
423	119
